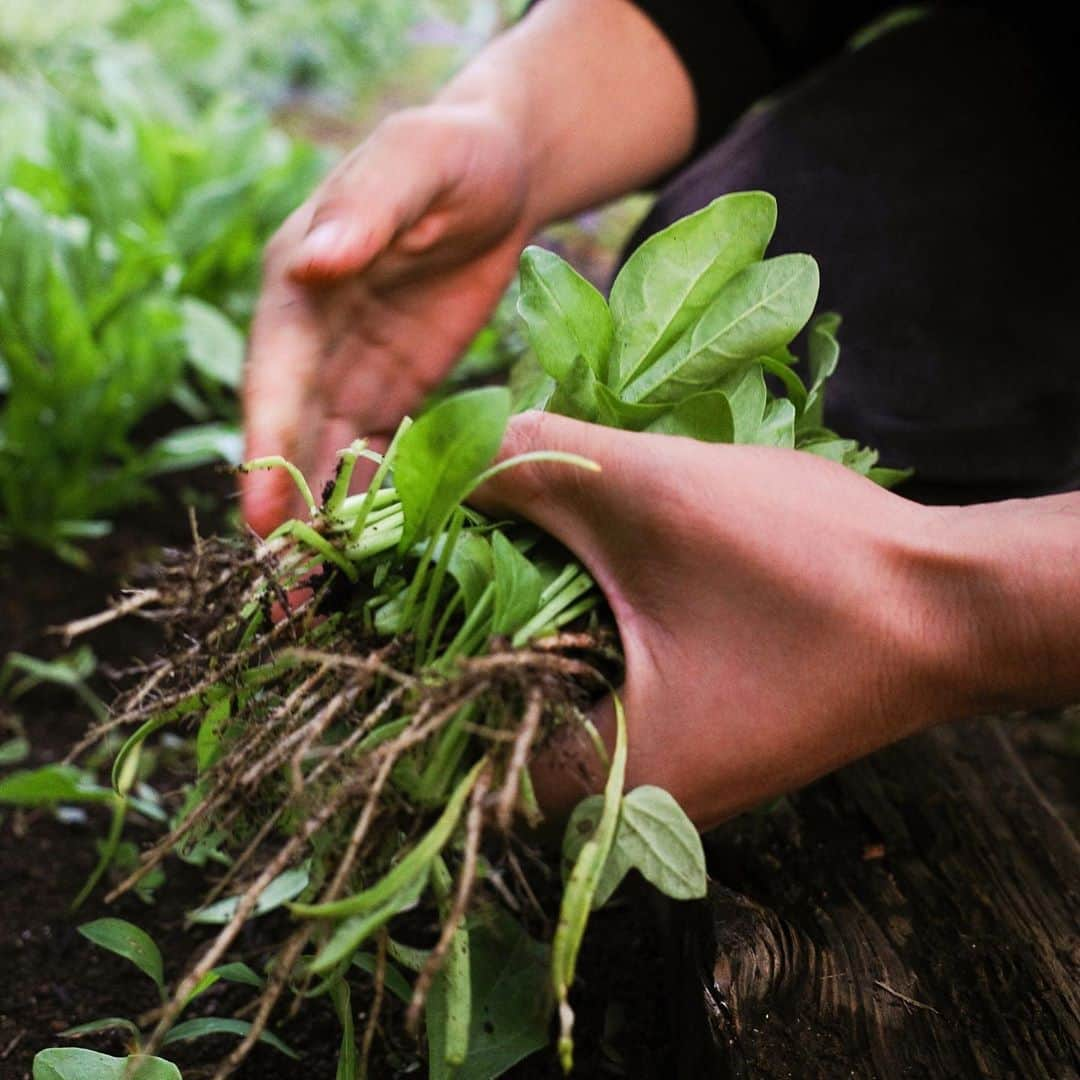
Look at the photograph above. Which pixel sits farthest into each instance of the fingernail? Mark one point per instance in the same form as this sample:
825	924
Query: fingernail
324	241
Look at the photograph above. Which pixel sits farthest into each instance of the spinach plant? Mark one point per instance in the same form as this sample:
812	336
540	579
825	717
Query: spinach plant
367	687
128	267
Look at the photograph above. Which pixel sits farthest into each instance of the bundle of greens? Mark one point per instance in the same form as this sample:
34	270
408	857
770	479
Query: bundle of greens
367	687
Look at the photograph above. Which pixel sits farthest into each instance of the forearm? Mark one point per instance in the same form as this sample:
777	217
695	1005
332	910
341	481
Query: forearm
597	97
1021	579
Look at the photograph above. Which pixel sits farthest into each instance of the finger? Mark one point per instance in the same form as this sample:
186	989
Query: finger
282	356
566	500
379	192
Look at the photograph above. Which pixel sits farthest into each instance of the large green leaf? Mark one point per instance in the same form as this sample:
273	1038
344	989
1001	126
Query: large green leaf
511	1000
565	316
75	1063
441	456
671	279
760	309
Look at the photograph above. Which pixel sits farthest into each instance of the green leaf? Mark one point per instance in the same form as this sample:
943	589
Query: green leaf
577	394
566	318
518	584
395	982
285	887
215	347
511	1000
202	1026
777	425
470	566
667	284
412	867
440	457
612	411
237	972
581	886
823	355
51	784
127	940
704	416
348	1067
108	1023
657	838
760	309
353	931
748	397
14	751
74	1063
190	447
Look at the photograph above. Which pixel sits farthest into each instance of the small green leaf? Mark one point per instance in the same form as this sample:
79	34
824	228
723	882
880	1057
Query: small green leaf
577	394
823	355
236	972
395	982
285	887
127	940
214	346
190	447
518	584
581	886
14	750
75	1063
777	425
348	1067
108	1023
657	838
51	784
565	316
202	1026
706	417
441	456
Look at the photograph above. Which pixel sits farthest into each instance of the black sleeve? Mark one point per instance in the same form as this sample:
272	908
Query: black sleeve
737	51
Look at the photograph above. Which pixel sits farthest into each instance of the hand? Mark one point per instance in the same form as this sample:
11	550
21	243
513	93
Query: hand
374	286
780	616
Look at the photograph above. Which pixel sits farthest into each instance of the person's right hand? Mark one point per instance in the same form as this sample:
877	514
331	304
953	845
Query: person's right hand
374	286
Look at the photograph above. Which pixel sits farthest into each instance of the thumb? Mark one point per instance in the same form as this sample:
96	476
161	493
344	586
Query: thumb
562	498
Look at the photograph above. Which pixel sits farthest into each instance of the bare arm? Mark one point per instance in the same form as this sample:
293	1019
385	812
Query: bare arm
376	284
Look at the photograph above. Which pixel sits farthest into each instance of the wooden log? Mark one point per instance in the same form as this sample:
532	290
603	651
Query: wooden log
915	915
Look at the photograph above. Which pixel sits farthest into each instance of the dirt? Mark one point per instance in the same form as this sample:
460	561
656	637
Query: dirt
52	978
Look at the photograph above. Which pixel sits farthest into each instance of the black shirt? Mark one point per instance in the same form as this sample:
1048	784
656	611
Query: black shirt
932	172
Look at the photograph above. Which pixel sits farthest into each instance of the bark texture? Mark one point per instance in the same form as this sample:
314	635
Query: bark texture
914	915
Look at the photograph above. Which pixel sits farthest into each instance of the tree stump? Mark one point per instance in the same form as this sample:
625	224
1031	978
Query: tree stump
914	915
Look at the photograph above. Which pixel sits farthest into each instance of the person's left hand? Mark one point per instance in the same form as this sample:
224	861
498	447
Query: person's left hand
780	616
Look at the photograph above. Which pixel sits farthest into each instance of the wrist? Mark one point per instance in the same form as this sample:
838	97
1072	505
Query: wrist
1006	578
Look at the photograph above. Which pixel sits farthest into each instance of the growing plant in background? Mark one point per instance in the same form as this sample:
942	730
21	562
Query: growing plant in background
363	752
128	268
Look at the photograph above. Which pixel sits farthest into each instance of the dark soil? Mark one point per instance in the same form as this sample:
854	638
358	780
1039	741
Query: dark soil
51	978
